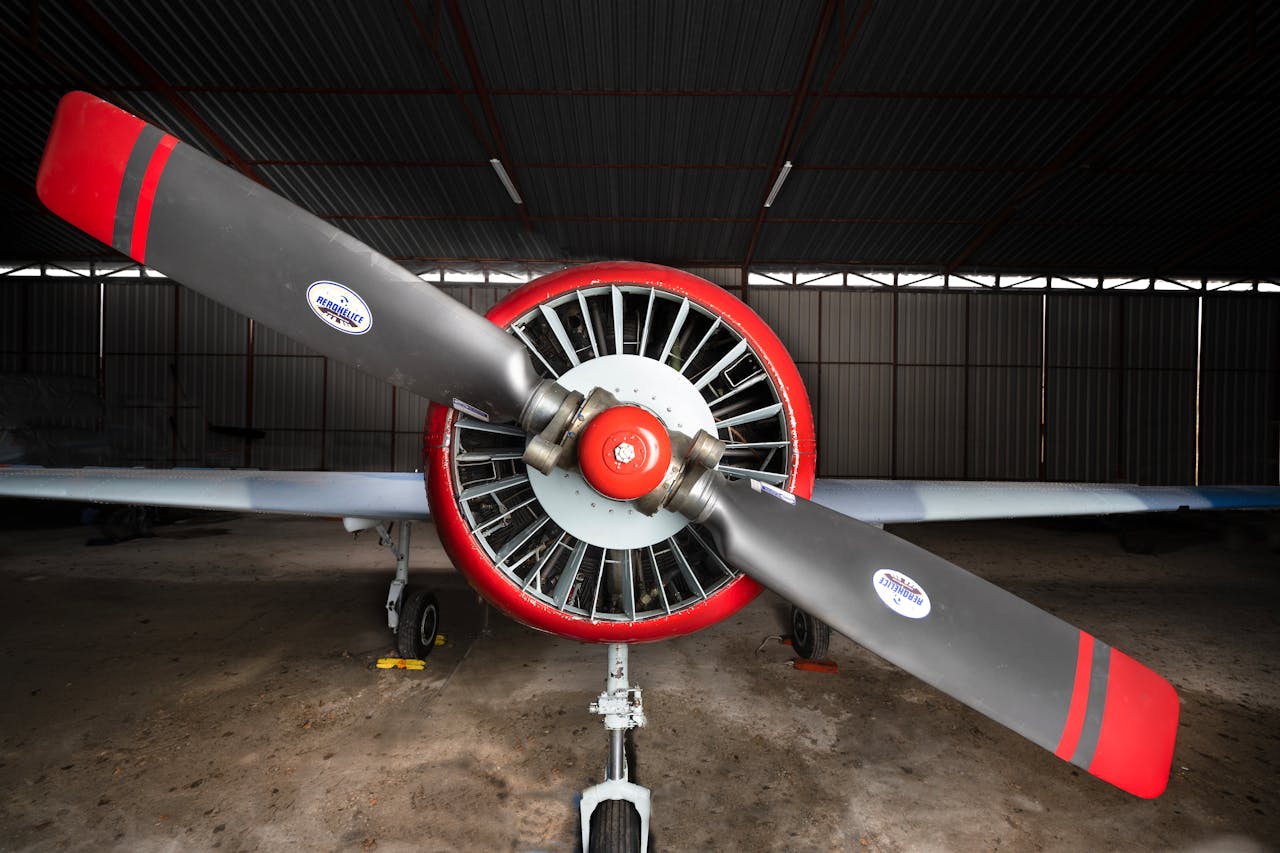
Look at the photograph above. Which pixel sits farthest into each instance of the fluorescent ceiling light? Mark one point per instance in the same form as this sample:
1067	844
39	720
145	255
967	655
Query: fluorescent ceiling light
506	180
777	185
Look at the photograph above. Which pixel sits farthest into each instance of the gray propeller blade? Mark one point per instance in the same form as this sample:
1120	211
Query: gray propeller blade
1048	681
163	203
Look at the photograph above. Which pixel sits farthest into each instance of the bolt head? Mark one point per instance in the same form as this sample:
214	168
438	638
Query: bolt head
624	452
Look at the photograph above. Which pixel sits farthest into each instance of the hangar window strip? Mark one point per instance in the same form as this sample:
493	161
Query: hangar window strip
942	281
514	275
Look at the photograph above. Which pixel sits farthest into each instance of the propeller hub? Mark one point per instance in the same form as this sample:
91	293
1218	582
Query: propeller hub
624	453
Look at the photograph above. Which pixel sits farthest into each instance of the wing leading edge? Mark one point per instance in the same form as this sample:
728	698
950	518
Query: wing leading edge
900	501
363	494
387	495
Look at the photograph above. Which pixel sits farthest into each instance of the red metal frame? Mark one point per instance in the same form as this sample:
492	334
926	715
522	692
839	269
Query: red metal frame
131	55
788	134
474	563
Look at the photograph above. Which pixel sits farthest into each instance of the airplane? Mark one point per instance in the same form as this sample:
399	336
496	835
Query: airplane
618	453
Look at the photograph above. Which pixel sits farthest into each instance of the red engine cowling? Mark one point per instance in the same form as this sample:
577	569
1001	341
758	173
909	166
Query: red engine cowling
554	554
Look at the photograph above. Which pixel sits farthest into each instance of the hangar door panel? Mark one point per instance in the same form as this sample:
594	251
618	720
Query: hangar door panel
1240	389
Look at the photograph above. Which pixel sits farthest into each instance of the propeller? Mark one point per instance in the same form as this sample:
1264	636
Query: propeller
1050	682
167	205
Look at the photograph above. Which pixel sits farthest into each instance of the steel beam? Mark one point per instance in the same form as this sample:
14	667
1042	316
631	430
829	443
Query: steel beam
126	51
431	39
788	132
486	103
837	94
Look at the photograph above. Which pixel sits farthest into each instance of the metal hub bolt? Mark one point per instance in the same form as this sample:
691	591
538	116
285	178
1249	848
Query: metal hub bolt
624	453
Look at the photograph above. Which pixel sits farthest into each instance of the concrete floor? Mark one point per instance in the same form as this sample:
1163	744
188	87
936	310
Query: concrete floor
213	687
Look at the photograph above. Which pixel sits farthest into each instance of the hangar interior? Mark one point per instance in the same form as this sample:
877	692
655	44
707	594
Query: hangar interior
1067	382
1098	158
999	241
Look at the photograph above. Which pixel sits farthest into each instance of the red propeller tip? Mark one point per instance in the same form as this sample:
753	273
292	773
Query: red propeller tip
1139	727
100	170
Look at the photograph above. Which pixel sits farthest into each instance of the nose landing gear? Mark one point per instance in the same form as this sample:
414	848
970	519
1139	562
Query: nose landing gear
615	813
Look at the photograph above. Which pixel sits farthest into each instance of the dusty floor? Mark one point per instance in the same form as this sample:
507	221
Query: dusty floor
213	687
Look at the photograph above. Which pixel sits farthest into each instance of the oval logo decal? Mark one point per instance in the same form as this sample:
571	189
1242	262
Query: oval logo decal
340	307
901	594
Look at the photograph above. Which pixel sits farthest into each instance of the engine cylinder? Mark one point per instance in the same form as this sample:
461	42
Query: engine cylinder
568	552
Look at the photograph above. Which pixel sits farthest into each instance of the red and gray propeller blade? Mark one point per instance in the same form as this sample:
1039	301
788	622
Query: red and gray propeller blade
165	204
1053	683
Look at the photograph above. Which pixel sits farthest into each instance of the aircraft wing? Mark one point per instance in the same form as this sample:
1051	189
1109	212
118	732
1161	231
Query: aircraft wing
359	494
385	495
898	501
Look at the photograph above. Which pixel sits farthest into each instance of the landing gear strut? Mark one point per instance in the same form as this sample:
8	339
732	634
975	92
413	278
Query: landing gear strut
413	615
615	813
399	550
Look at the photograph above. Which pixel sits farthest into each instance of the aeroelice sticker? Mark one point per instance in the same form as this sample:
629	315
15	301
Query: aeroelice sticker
901	594
340	307
468	409
773	491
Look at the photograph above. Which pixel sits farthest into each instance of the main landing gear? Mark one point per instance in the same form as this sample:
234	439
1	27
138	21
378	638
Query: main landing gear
810	636
615	813
413	615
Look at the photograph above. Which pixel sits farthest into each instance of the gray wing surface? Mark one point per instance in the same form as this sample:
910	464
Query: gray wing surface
362	494
899	501
401	495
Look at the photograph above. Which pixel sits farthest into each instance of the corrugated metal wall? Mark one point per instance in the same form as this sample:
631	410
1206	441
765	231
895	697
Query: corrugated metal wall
189	382
949	385
1240	389
916	385
1120	388
910	384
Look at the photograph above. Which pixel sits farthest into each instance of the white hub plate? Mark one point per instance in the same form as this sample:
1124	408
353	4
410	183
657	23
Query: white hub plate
582	510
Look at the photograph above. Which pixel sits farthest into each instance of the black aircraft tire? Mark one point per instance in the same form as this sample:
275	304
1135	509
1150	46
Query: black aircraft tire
810	636
615	828
419	624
